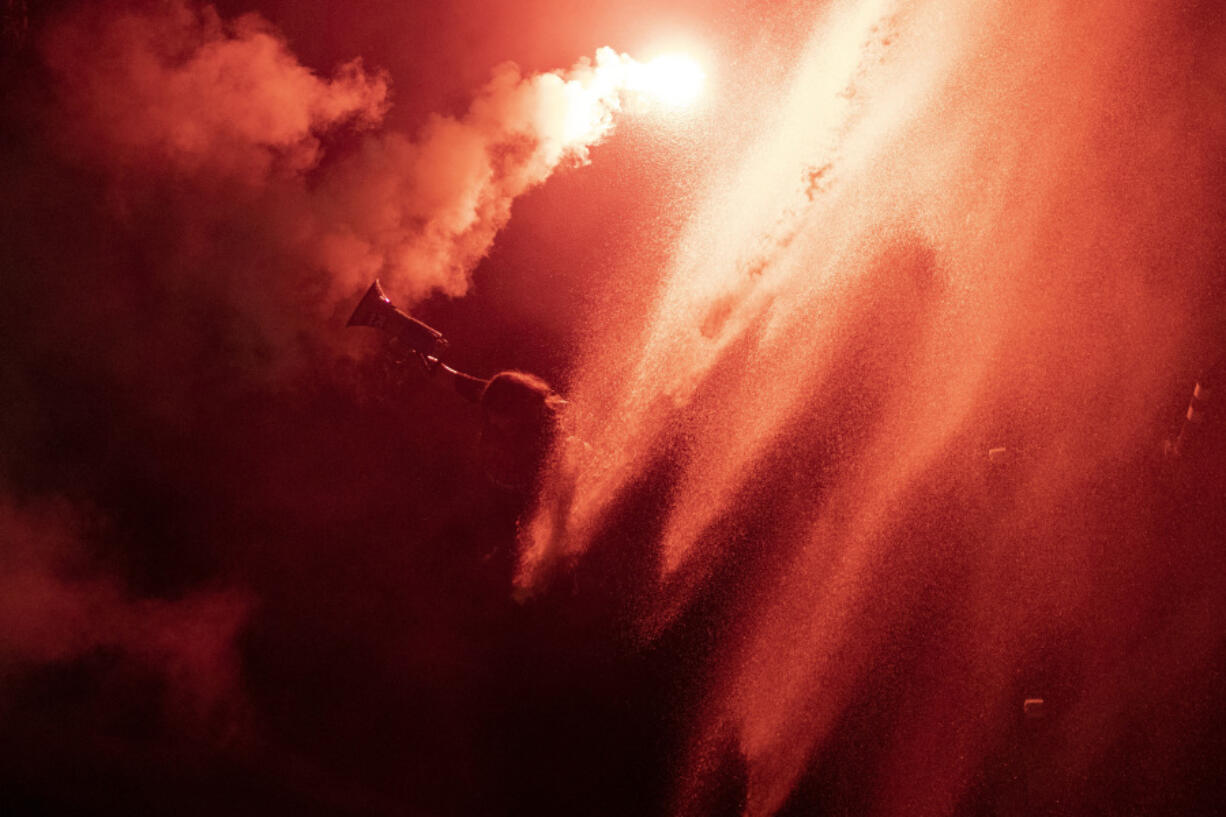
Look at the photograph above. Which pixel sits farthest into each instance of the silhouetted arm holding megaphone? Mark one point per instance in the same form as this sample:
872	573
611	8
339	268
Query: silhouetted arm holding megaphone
376	309
520	412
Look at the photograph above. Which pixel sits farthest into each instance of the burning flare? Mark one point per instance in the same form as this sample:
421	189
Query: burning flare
673	79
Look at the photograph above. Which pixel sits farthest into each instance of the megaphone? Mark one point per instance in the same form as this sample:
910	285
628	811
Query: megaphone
375	309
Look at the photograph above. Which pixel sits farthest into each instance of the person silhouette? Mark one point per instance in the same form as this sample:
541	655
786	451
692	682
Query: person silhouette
520	412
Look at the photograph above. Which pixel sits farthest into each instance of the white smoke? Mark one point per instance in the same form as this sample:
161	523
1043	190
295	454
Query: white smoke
423	211
222	115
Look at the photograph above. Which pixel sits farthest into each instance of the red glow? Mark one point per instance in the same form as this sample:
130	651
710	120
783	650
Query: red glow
872	317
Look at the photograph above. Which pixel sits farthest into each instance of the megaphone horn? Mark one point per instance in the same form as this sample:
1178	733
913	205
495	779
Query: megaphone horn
375	309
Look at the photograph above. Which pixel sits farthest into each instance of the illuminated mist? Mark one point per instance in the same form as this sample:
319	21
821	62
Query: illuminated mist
248	560
971	225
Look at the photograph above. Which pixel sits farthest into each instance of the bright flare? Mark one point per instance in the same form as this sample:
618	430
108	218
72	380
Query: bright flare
674	79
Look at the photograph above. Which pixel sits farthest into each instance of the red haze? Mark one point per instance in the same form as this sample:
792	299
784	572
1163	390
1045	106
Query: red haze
56	606
775	572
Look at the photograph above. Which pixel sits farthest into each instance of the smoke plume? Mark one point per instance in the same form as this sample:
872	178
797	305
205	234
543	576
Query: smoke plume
422	212
220	115
172	89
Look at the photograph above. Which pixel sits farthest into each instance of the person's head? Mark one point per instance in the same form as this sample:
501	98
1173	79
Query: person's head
518	398
520	414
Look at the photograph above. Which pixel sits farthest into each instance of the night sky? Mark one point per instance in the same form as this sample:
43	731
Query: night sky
878	354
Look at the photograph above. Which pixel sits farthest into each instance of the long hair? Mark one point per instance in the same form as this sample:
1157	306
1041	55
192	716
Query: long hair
521	416
520	397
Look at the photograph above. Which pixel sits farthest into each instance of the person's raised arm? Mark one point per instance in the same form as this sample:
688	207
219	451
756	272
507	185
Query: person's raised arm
465	385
